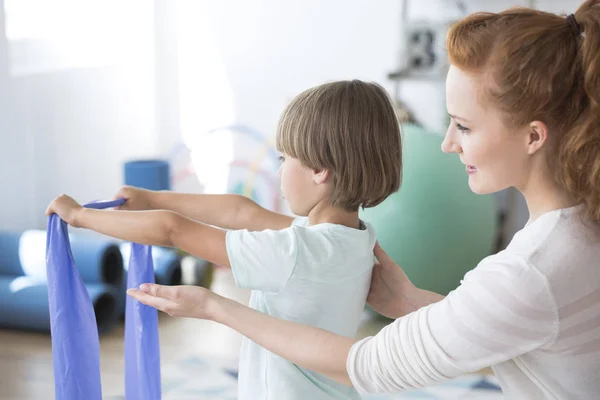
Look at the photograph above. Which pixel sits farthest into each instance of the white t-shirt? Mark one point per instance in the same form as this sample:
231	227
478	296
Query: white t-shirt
316	275
531	311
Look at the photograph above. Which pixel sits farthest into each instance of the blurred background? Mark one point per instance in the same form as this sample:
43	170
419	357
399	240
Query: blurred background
185	95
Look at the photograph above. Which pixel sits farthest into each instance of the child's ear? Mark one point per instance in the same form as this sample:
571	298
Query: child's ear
320	175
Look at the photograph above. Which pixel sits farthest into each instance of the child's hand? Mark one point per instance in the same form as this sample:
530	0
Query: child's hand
135	198
178	301
67	208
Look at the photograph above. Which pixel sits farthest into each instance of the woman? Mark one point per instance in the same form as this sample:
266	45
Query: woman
523	94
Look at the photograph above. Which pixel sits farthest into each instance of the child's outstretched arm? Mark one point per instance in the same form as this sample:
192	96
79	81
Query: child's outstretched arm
228	211
157	228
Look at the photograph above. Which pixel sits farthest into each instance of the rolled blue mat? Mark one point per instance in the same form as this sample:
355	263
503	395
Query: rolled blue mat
167	264
167	270
24	253
97	259
122	296
24	301
10	259
148	174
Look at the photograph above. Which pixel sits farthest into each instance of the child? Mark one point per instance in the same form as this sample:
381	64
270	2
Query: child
341	150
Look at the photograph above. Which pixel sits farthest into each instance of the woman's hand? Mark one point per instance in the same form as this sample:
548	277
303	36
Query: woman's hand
66	208
136	199
388	284
392	294
178	301
313	348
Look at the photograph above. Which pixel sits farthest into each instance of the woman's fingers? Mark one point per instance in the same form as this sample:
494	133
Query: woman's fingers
382	257
166	292
159	303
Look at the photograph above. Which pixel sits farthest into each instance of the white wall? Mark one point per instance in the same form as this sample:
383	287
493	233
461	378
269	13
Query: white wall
69	130
16	164
83	134
274	49
69	120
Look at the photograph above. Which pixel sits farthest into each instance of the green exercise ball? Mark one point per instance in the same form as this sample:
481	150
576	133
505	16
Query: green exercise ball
434	227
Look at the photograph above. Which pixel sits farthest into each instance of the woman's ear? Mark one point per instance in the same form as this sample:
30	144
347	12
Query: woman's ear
537	136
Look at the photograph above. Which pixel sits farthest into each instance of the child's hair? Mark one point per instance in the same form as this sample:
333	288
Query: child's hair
540	66
351	129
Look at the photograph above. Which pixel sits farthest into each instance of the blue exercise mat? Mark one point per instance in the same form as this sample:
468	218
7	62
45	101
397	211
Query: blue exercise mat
25	304
75	343
98	259
167	264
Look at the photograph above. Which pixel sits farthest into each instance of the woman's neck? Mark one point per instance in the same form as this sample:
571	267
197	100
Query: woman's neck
543	195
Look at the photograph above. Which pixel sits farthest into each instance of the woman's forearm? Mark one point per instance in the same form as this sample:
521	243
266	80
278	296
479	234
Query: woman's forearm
409	298
309	347
418	298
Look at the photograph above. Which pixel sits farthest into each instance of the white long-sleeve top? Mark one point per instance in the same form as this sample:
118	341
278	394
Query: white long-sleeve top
532	312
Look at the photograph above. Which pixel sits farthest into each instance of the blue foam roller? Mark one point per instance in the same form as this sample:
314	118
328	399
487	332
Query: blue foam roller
24	253
148	174
10	258
167	264
25	304
98	259
122	295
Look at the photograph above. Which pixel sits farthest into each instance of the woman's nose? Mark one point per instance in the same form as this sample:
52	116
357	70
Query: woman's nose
450	145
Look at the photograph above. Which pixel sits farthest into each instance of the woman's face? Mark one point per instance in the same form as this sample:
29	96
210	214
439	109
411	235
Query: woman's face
495	156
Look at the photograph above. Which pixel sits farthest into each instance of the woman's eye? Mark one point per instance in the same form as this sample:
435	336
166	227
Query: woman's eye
281	158
461	127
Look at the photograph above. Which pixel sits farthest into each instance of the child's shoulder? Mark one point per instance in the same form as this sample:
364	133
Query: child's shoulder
334	236
300	221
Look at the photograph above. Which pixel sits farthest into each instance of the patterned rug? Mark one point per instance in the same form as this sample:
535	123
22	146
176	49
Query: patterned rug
211	379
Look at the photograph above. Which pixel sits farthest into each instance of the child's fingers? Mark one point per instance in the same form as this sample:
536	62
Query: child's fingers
119	196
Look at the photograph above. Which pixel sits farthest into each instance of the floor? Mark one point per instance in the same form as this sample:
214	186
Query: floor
189	348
